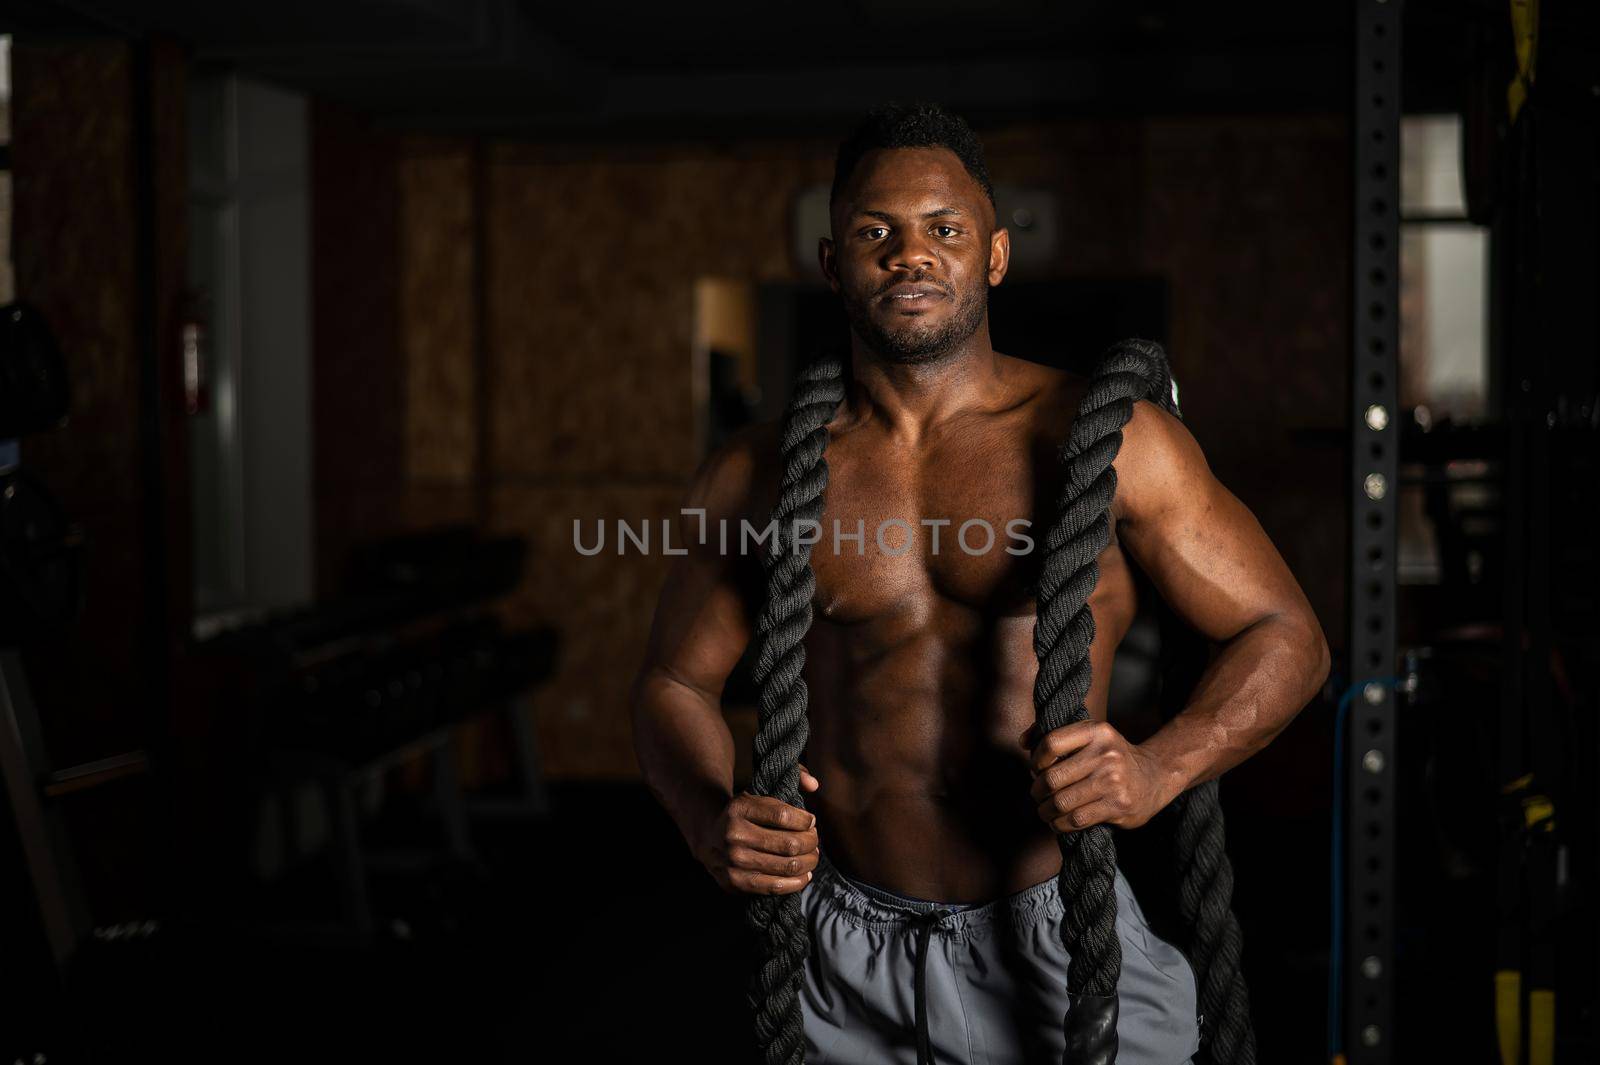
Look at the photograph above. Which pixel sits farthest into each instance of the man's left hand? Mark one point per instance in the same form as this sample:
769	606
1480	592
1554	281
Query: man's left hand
1087	773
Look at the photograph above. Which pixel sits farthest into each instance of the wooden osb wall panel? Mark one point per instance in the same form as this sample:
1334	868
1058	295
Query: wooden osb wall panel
602	605
1245	218
437	299
395	376
75	233
591	298
100	253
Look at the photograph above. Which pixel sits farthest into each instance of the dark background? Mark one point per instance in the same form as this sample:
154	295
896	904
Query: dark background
509	206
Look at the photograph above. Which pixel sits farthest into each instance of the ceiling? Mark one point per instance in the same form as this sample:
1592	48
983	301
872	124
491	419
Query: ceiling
541	70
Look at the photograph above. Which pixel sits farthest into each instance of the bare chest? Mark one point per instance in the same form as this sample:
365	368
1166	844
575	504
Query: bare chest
961	524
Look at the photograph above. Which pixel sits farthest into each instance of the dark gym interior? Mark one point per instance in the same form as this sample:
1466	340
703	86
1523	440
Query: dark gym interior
326	323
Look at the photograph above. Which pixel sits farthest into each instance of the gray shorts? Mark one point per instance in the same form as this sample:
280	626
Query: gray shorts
993	987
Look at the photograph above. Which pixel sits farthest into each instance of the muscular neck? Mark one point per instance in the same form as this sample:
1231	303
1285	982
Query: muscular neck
914	398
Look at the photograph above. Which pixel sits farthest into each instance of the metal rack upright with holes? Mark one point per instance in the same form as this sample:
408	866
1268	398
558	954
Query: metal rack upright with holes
1370	758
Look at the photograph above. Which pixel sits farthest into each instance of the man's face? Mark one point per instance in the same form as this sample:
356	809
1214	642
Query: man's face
913	253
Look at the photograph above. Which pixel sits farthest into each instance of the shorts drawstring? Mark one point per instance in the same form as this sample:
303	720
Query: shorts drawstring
925	923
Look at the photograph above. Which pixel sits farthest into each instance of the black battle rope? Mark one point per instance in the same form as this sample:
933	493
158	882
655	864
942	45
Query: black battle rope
1205	895
781	729
1128	371
1064	630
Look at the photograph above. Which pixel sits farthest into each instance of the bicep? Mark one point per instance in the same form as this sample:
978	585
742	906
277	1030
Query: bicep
702	622
701	625
1200	546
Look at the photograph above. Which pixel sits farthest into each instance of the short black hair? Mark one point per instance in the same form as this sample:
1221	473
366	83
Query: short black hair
911	125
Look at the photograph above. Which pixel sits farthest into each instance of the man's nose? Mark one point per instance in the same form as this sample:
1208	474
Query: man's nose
909	251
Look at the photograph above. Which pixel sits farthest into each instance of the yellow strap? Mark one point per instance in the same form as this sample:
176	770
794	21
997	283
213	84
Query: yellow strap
1521	783
1525	33
1541	1027
1508	1014
1538	809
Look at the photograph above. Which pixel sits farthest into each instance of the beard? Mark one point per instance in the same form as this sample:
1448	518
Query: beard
910	341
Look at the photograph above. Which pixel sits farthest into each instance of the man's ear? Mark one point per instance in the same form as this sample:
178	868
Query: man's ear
999	256
830	269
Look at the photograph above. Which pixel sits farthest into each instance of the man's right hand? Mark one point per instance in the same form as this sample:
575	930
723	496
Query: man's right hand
758	845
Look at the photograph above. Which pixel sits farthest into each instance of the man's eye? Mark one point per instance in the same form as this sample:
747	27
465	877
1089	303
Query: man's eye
945	231
870	230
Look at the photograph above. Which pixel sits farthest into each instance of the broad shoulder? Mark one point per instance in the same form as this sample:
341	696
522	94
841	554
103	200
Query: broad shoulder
734	478
1160	466
1050	397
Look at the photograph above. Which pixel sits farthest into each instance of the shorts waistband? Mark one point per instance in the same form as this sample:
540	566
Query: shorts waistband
870	906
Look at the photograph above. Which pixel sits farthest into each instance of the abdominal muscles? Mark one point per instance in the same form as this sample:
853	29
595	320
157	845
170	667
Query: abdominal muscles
916	736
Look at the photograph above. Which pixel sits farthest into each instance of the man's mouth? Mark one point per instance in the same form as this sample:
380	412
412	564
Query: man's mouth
909	294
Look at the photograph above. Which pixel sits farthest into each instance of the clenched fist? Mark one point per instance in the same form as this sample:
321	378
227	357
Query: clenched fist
1087	773
758	845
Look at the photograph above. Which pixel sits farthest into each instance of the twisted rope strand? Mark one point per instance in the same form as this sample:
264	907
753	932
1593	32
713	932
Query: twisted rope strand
1063	634
781	728
1204	873
1205	896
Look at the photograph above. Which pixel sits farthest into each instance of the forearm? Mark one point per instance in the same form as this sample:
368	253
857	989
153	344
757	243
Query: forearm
685	750
1248	694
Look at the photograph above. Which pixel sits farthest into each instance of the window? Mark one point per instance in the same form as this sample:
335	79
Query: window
1443	278
1444	329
